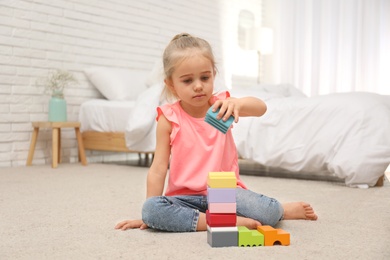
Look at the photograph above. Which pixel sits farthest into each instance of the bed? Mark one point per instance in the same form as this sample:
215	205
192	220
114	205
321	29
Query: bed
119	126
343	135
104	122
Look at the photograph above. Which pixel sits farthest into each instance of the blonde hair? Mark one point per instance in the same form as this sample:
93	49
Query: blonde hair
178	49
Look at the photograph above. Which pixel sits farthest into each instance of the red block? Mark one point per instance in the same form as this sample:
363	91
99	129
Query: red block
220	220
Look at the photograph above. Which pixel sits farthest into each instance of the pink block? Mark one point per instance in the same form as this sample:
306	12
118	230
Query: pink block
223	208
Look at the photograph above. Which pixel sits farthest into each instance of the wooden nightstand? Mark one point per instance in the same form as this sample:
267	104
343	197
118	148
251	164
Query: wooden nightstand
56	140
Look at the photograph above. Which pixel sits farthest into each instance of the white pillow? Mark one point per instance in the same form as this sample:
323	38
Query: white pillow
117	83
156	76
141	130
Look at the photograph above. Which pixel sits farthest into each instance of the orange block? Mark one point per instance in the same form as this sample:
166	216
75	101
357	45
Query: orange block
274	236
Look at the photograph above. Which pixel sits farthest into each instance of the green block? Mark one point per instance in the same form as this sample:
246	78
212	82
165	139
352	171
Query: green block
247	237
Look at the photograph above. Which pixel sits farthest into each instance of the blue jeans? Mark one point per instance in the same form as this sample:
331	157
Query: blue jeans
181	213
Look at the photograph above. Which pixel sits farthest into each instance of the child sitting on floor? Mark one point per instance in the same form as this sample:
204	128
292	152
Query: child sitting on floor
192	148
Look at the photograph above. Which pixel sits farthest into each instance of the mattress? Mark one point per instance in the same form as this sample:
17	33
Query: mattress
103	115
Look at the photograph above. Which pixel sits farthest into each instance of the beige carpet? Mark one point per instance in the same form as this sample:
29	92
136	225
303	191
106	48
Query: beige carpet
70	213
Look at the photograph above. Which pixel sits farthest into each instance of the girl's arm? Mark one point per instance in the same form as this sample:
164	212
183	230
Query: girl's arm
158	169
245	106
157	172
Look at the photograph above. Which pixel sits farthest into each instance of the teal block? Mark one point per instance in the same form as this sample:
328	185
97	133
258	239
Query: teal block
211	118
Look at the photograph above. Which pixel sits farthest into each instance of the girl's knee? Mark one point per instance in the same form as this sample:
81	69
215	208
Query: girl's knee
149	209
262	208
275	214
153	208
149	204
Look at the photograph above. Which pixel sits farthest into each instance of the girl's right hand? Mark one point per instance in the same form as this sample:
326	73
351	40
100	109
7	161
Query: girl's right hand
131	224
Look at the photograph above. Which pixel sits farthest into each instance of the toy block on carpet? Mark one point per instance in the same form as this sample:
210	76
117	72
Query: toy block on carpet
247	237
274	236
222	236
221	217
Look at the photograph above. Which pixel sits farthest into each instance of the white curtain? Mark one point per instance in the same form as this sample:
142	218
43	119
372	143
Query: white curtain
325	46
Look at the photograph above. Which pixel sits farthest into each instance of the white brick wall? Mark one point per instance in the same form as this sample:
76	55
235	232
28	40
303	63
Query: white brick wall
39	35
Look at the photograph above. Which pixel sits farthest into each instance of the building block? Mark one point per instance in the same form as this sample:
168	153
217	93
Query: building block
222	180
221	219
222	208
274	236
211	118
247	237
222	236
221	195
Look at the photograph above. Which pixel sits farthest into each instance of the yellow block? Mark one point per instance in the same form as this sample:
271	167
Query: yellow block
222	180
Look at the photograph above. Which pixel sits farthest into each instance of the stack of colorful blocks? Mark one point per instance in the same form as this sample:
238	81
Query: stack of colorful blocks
211	118
221	217
221	213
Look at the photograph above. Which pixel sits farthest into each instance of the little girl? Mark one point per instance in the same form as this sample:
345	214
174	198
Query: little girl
192	148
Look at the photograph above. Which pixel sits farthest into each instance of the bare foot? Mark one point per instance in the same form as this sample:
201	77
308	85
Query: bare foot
247	222
299	210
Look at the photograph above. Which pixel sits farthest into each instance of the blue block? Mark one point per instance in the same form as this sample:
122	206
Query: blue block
211	118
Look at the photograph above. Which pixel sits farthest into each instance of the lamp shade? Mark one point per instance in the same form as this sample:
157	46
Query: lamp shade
262	40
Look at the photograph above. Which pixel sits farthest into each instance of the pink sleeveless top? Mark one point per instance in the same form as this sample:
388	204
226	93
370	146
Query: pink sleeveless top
197	148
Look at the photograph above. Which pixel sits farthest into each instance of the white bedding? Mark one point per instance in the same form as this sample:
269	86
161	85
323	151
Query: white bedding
135	118
345	134
104	115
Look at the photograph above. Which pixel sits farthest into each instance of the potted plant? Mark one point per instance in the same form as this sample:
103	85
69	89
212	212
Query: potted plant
54	84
